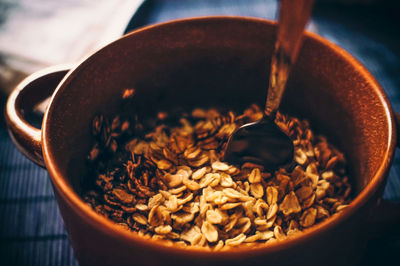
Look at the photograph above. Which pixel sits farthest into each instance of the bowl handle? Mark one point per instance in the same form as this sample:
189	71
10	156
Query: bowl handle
33	90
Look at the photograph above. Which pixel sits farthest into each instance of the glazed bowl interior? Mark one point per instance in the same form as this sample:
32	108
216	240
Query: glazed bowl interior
199	63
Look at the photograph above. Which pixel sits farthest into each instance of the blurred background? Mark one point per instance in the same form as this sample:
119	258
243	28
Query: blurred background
38	33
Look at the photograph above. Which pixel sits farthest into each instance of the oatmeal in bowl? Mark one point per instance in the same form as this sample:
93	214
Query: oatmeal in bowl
170	182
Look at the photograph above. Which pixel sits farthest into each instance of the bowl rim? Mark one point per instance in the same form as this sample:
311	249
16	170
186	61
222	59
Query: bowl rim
71	198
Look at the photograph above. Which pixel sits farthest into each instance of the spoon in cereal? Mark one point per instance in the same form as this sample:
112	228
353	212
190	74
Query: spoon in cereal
263	142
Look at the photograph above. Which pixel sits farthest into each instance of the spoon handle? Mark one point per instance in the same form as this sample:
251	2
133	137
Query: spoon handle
293	16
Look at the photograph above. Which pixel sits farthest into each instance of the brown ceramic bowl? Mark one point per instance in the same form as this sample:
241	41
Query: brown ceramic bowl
215	61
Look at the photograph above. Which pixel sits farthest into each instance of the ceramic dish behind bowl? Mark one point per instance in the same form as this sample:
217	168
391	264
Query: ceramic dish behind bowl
205	62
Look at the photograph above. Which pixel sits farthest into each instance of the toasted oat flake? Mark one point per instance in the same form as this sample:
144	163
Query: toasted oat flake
208	179
278	233
229	206
273	209
265	235
190	184
186	199
199	173
257	190
172	204
244	223
322	212
172	180
192	207
164	164
219	166
219	245
236	240
155	200
226	180
341	207
304	192
193	235
182	218
163	229
166	195
229	226
272	195
308	202
308	217
251	239
232	193
255	176
260	221
141	207
327	175
290	204
123	195
141	219
300	156
216	216
177	190
158	215
209	231
261	207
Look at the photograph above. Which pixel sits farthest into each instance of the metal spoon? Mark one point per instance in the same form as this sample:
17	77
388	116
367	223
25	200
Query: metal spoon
263	142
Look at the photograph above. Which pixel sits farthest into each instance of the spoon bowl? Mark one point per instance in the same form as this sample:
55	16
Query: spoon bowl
261	142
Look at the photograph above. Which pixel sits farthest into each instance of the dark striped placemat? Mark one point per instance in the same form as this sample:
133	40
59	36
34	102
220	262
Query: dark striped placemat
31	228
